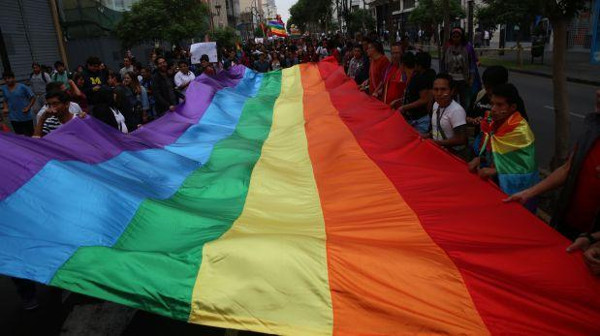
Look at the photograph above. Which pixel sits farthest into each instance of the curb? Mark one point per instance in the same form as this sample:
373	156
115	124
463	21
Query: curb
547	75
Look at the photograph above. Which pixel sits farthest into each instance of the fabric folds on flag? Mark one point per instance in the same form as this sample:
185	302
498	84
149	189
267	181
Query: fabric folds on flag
286	203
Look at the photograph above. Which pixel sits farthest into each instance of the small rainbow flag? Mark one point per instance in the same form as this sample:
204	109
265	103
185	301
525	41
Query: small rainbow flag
513	148
277	28
287	203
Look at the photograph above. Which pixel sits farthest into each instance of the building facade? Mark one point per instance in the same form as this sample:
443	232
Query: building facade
269	9
28	33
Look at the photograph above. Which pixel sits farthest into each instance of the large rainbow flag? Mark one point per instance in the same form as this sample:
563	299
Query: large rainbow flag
286	203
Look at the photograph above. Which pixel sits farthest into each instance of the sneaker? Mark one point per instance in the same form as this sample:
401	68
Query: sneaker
30	304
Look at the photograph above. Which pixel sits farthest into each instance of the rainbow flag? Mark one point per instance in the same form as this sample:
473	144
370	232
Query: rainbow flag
512	146
286	203
277	28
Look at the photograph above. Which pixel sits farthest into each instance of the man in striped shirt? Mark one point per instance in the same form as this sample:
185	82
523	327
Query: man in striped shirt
56	115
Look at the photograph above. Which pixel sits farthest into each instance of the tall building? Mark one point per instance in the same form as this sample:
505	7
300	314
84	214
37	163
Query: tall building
224	12
270	9
251	14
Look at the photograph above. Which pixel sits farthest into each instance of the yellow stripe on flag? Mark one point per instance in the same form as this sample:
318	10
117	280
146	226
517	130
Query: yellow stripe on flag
281	224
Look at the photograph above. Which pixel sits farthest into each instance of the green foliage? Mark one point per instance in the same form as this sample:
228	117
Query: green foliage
316	12
164	20
225	37
562	9
430	13
258	32
360	20
521	12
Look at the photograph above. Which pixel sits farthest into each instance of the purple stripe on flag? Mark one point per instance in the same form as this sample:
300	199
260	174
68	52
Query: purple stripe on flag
21	157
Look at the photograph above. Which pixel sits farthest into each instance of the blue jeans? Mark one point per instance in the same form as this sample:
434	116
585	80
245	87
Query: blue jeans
421	124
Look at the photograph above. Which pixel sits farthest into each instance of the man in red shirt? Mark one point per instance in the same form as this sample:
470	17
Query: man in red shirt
395	79
379	63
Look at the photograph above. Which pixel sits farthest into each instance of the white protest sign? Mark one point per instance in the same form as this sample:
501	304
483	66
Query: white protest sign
199	49
258	40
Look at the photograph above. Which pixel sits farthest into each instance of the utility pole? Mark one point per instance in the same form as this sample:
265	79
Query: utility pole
4	53
446	9
59	33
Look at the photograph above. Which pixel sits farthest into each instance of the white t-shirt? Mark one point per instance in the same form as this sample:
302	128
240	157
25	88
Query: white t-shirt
322	52
125	70
181	78
74	108
449	118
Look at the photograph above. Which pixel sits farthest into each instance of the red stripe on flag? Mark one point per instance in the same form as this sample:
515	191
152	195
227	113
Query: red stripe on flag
516	269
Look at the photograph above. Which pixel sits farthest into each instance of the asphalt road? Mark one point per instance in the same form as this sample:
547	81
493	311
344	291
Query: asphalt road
538	96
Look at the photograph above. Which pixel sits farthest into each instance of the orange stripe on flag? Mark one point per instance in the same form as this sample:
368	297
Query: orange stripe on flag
386	274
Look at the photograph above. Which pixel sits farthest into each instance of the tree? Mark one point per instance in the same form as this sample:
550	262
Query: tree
225	38
560	12
360	20
259	32
519	12
164	20
430	13
311	13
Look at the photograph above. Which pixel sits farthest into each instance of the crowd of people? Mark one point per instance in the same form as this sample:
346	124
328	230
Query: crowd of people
124	98
456	108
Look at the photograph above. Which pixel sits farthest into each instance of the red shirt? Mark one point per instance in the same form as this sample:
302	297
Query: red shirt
395	84
585	204
377	71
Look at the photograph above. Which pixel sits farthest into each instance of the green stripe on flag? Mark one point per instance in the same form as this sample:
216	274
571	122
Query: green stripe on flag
521	161
154	264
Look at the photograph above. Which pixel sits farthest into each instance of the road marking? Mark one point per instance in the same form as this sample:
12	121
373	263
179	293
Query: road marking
571	113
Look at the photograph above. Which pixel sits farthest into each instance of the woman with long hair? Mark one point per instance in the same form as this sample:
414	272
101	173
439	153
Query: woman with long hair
107	111
275	63
310	55
138	99
460	61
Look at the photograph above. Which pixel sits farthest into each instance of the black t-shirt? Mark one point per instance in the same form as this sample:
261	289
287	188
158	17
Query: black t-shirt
480	107
419	82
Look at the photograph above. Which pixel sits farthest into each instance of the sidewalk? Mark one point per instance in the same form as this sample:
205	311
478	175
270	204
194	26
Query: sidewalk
578	67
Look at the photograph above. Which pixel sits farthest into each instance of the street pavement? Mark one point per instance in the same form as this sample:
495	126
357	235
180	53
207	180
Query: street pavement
538	96
537	92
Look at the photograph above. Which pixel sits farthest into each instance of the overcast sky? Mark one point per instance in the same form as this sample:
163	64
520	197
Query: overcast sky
283	8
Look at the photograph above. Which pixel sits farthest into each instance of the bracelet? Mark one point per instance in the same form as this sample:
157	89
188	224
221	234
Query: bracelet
589	237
